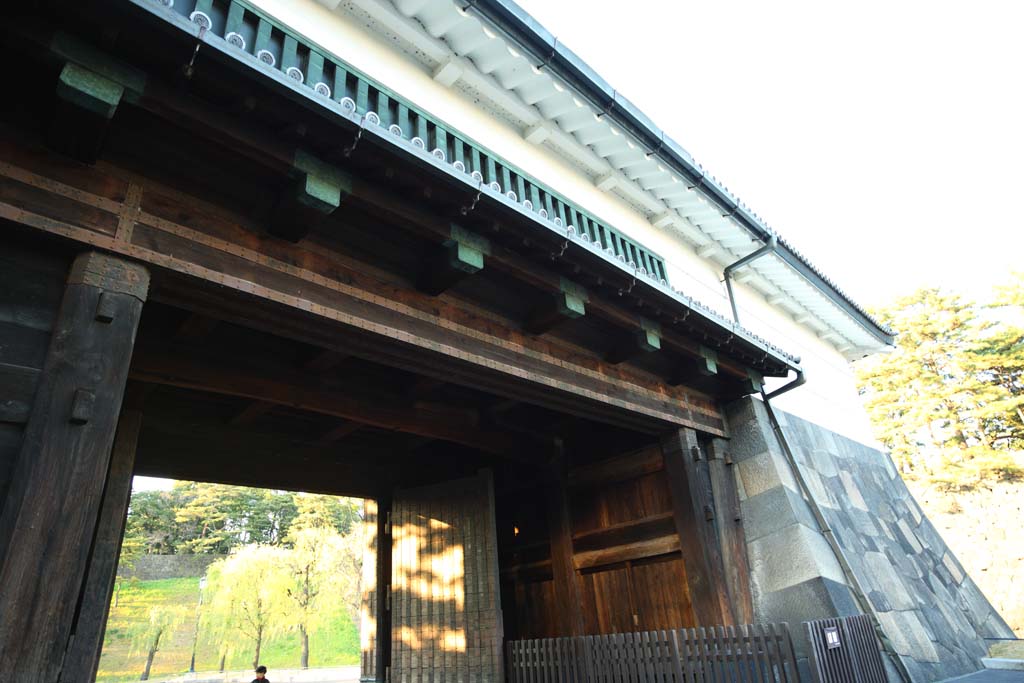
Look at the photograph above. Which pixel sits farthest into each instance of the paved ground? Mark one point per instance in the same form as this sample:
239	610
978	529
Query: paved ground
990	676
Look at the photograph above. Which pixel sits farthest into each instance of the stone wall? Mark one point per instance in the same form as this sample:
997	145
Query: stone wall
931	611
150	567
990	516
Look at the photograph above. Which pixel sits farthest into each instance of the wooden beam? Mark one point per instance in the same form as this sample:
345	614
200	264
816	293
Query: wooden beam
169	451
568	303
284	386
325	360
568	601
620	468
458	257
338	433
327	304
195	327
252	412
64	457
83	655
697	539
636	550
424	386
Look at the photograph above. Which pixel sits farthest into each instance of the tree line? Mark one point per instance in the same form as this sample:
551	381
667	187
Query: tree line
293	562
948	402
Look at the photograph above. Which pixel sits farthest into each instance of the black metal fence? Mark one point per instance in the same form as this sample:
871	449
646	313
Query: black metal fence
844	650
759	653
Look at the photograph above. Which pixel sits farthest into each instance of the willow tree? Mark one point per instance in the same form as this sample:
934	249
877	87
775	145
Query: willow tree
162	621
245	592
317	569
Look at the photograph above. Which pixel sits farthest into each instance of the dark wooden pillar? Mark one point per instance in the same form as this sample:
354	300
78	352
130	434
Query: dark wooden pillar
51	510
693	512
569	605
731	537
382	653
83	655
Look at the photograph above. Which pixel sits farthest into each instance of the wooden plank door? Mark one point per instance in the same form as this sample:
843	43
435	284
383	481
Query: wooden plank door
445	603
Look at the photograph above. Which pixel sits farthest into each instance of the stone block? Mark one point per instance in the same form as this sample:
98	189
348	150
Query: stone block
879	601
819	490
750	431
774	509
824	462
907	534
812	599
922	648
897	636
765	471
853	495
883	576
790	556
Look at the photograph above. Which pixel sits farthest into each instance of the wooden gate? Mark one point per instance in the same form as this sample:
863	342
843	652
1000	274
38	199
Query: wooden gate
760	652
844	650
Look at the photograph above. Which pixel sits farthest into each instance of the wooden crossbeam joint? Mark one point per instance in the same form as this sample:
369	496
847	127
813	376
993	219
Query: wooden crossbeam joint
460	256
316	189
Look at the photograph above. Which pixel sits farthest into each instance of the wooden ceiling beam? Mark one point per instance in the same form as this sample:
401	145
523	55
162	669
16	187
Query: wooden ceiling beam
252	412
283	386
195	327
340	432
325	360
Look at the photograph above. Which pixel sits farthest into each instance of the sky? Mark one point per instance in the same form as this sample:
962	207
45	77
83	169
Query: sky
885	140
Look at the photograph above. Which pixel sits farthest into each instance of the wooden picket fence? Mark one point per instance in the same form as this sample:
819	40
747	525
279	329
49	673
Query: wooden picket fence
759	653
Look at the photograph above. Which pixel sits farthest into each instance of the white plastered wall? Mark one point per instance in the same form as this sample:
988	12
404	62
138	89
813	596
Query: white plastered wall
829	398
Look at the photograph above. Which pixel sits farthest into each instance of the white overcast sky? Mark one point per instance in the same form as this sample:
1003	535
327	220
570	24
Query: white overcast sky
884	139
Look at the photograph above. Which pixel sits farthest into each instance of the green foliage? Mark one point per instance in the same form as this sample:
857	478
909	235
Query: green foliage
334	645
947	401
197	517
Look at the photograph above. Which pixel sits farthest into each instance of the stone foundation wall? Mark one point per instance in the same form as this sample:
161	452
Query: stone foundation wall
931	611
151	567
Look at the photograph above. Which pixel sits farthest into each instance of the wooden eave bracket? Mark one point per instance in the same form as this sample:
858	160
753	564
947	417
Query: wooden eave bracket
315	191
458	257
697	371
569	303
646	339
89	89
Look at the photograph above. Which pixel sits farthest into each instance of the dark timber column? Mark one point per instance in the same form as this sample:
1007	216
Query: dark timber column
51	510
567	587
693	511
83	655
382	638
731	536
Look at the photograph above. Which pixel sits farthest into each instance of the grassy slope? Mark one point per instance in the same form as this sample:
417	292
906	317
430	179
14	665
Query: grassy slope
337	644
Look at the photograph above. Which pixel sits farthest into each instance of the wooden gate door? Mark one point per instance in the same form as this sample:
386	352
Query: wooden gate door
445	607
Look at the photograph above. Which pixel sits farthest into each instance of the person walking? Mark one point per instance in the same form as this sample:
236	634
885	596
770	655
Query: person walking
261	675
